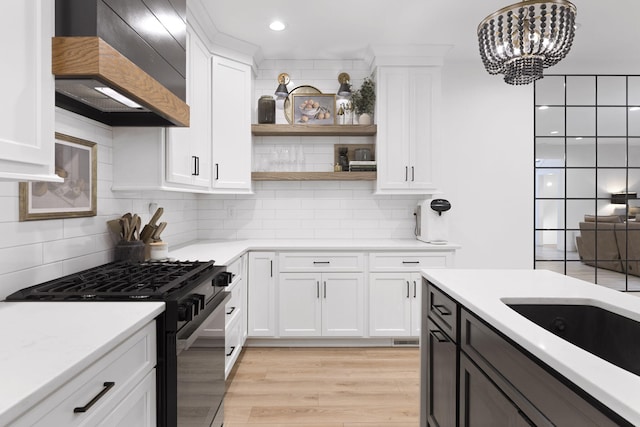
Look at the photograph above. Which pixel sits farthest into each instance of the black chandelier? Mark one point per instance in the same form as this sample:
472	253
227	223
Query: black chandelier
521	40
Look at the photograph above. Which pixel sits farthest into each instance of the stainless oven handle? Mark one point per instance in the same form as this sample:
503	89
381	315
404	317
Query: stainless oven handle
210	310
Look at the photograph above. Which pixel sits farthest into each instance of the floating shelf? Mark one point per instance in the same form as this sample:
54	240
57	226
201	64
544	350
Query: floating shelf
314	130
313	176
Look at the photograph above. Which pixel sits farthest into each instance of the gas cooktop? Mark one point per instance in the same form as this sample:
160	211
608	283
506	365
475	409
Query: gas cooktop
122	280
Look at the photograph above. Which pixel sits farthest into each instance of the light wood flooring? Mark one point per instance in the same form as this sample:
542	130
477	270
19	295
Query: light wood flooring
324	387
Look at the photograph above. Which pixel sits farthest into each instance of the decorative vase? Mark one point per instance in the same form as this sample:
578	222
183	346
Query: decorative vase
364	119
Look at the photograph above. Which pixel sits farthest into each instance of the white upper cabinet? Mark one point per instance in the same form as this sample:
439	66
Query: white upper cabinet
231	126
27	86
407	150
189	149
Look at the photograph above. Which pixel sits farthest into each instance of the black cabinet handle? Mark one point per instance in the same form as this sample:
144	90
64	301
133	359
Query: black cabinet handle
322	262
107	386
271	262
411	262
413	176
325	289
318	289
439	335
408	289
231	352
441	309
415	288
196	166
232	310
406	173
217	167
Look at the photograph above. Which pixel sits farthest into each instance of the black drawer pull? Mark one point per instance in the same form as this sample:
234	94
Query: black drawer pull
322	262
411	262
441	309
232	310
107	386
233	348
439	335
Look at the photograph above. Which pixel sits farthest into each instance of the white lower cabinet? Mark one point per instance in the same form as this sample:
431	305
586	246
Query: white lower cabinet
394	304
261	295
394	290
117	390
321	304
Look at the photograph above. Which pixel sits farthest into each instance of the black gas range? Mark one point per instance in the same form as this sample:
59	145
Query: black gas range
194	296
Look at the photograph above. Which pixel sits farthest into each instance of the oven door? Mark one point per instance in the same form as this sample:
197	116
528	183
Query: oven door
200	362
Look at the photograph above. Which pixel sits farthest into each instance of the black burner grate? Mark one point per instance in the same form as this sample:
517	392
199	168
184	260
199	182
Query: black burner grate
121	280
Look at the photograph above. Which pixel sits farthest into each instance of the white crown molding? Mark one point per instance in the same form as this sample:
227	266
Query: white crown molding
220	43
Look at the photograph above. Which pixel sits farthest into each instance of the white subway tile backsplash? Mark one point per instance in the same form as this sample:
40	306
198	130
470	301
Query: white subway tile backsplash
59	250
20	257
19	279
9	209
28	232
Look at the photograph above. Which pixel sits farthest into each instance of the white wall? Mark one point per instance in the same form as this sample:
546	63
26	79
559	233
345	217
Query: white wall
488	167
35	251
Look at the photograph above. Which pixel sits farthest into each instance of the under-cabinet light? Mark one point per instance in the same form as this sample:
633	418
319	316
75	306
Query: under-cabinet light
118	97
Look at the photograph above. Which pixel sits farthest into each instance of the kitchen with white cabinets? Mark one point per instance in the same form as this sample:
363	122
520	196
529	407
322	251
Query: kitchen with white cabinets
442	127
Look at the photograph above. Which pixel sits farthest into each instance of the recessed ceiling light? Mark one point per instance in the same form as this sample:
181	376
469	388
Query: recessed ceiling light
554	132
277	26
634	108
543	107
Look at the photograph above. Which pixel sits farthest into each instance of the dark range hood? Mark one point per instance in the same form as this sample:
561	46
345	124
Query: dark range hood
106	49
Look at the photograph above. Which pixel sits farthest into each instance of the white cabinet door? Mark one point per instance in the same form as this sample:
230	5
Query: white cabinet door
390	300
27	113
408	98
138	408
261	295
416	303
231	125
342	304
300	298
189	149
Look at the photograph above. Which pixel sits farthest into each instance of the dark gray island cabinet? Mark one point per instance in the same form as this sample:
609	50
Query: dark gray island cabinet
472	375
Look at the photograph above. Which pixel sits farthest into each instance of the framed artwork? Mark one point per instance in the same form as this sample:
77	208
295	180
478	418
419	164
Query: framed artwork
314	109
76	164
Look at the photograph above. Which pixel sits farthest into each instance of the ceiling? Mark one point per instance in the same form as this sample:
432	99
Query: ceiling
343	29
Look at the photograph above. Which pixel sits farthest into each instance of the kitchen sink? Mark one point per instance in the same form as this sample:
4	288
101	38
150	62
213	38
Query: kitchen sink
608	335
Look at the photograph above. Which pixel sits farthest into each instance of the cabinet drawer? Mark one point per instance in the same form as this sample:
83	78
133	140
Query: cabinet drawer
234	305
301	261
233	344
236	268
444	311
407	261
526	382
125	366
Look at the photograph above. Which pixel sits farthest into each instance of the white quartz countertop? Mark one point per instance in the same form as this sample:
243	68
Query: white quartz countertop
484	292
224	252
45	344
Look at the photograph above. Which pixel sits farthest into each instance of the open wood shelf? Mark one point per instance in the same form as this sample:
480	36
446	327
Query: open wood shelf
313	176
314	130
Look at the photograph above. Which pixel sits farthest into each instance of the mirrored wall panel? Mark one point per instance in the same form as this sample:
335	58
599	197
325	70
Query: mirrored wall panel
587	176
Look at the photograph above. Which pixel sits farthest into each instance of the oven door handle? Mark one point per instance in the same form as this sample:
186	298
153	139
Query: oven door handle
194	329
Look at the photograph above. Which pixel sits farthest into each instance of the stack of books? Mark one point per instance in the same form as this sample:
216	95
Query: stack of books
362	166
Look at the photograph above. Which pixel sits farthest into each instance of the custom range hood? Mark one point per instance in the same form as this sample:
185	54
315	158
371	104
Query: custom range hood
122	62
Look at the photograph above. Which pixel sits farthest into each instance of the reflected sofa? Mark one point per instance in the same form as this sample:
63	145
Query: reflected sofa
616	244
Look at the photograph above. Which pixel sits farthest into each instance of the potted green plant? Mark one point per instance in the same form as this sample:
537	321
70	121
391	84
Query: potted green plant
364	101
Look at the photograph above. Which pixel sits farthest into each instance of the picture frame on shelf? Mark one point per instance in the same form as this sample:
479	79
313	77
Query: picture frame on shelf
76	163
314	109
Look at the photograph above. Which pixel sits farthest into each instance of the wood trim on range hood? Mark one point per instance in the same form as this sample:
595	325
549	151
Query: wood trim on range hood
93	58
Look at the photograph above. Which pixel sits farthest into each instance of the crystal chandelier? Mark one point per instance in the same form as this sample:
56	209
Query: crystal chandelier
521	40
